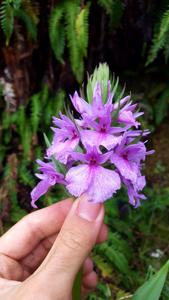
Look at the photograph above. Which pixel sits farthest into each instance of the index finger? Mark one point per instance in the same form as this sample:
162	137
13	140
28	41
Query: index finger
25	235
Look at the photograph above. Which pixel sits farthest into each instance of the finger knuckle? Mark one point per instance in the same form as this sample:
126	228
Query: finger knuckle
75	240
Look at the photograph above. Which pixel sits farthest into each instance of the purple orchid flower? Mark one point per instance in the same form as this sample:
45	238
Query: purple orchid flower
49	178
127	117
102	133
91	177
66	139
96	170
127	158
133	191
127	114
97	108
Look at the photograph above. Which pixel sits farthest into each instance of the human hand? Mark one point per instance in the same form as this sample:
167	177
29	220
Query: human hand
41	255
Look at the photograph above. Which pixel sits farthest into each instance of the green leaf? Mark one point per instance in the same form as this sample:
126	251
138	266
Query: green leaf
72	10
26	139
29	23
160	38
7	19
161	106
36	111
82	28
151	289
76	292
114	9
48	144
115	257
56	32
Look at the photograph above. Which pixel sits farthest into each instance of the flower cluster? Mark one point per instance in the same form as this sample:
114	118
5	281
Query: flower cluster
101	150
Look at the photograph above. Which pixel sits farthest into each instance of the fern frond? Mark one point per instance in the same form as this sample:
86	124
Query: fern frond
56	32
26	140
44	94
21	9
6	120
16	3
107	5
72	10
29	22
36	109
82	29
32	9
59	101
114	257
113	8
7	19
160	39
19	118
25	176
53	106
166	49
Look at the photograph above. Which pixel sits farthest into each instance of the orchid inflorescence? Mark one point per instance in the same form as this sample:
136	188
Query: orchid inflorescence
99	151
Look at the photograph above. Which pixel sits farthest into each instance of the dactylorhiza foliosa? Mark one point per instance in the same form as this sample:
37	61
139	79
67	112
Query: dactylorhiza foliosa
100	150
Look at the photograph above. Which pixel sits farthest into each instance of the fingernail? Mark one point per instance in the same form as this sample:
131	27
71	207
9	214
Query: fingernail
88	210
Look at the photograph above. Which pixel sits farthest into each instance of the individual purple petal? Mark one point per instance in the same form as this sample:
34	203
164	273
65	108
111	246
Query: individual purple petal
140	184
127	169
94	138
136	152
98	182
127	117
40	176
104	184
78	179
66	139
90	137
97	96
62	150
40	189
134	197
150	152
81	105
138	114
59	134
49	178
97	104
110	96
122	102
110	141
44	165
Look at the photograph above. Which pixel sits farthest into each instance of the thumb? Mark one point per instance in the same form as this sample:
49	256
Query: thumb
73	244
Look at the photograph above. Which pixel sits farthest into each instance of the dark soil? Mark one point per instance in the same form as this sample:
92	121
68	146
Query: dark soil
157	166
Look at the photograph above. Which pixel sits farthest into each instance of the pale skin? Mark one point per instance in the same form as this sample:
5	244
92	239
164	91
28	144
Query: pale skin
41	255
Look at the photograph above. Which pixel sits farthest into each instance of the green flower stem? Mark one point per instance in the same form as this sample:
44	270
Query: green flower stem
76	292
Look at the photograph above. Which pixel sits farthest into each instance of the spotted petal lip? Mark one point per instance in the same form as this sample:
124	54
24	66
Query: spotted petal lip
100	183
